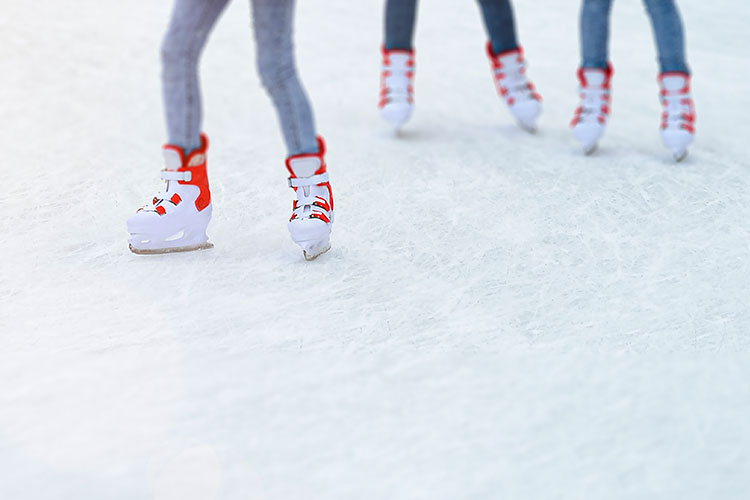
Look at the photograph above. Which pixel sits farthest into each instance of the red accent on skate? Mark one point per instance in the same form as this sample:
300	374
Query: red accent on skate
160	210
321	216
199	176
322	203
175	199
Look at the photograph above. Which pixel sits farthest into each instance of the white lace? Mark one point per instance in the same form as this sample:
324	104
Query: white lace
674	107
592	101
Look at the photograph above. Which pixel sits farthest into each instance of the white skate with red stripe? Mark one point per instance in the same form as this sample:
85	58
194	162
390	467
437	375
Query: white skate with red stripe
397	86
312	212
177	218
678	119
590	118
509	75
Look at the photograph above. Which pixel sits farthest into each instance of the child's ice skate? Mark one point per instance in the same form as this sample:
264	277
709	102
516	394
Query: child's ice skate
590	117
396	86
509	74
312	211
678	118
176	219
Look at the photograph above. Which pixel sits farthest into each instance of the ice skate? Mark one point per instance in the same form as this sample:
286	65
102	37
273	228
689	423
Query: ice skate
590	117
177	218
396	86
678	119
509	74
312	211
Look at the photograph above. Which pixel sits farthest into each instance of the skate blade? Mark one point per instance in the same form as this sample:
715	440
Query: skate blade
159	251
679	155
588	151
531	129
314	253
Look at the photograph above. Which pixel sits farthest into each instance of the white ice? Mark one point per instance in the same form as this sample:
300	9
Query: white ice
500	316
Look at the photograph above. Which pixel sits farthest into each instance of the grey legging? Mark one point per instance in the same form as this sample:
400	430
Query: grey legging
188	31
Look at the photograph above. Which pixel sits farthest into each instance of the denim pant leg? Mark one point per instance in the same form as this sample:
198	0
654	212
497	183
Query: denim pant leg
670	40
272	22
498	21
400	16
188	31
594	28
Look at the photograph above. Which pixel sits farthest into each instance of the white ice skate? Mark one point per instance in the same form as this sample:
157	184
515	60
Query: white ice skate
678	118
177	218
396	86
312	212
590	117
509	74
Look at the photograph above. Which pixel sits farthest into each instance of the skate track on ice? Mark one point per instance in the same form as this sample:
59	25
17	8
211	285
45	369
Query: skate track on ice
500	317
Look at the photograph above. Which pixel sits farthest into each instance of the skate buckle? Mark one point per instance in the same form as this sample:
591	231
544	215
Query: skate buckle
308	181
175	175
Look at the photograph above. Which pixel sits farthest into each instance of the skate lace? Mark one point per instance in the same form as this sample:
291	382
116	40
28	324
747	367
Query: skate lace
678	108
312	197
512	81
593	102
397	79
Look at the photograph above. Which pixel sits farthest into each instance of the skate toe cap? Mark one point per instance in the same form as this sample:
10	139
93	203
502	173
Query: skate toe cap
396	113
588	133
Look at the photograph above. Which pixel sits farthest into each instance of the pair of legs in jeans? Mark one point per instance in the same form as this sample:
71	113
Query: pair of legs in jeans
595	73
666	24
177	218
189	27
400	16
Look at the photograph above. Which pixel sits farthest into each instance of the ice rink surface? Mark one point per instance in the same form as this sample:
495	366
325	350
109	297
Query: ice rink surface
500	317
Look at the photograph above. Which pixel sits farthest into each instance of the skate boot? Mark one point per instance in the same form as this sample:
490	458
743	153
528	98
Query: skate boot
509	73
396	86
312	211
176	219
678	118
590	117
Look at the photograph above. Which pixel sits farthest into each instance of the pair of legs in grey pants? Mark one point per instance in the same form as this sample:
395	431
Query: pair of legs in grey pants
189	27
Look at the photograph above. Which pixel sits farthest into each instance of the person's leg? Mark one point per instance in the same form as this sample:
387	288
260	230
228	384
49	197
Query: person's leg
400	16
594	33
668	32
272	21
188	31
498	21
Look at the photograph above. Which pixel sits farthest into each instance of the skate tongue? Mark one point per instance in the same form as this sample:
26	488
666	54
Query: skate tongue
172	159
305	167
594	77
673	82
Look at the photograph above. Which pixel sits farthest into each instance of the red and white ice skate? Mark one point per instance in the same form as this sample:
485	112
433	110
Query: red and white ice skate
312	211
590	118
678	118
177	218
397	86
509	74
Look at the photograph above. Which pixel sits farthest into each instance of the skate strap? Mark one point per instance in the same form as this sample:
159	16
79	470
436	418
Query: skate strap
308	181
173	175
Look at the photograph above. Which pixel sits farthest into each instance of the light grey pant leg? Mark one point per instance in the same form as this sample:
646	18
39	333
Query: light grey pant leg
183	43
272	22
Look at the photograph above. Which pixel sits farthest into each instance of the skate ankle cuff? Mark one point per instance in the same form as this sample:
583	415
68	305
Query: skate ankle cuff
308	181
177	175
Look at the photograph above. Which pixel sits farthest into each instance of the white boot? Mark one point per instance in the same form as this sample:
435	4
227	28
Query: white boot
177	218
312	212
590	117
509	74
396	86
678	118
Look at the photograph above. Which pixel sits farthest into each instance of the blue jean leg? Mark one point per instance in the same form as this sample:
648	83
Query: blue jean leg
594	34
273	24
400	16
500	25
189	27
669	35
